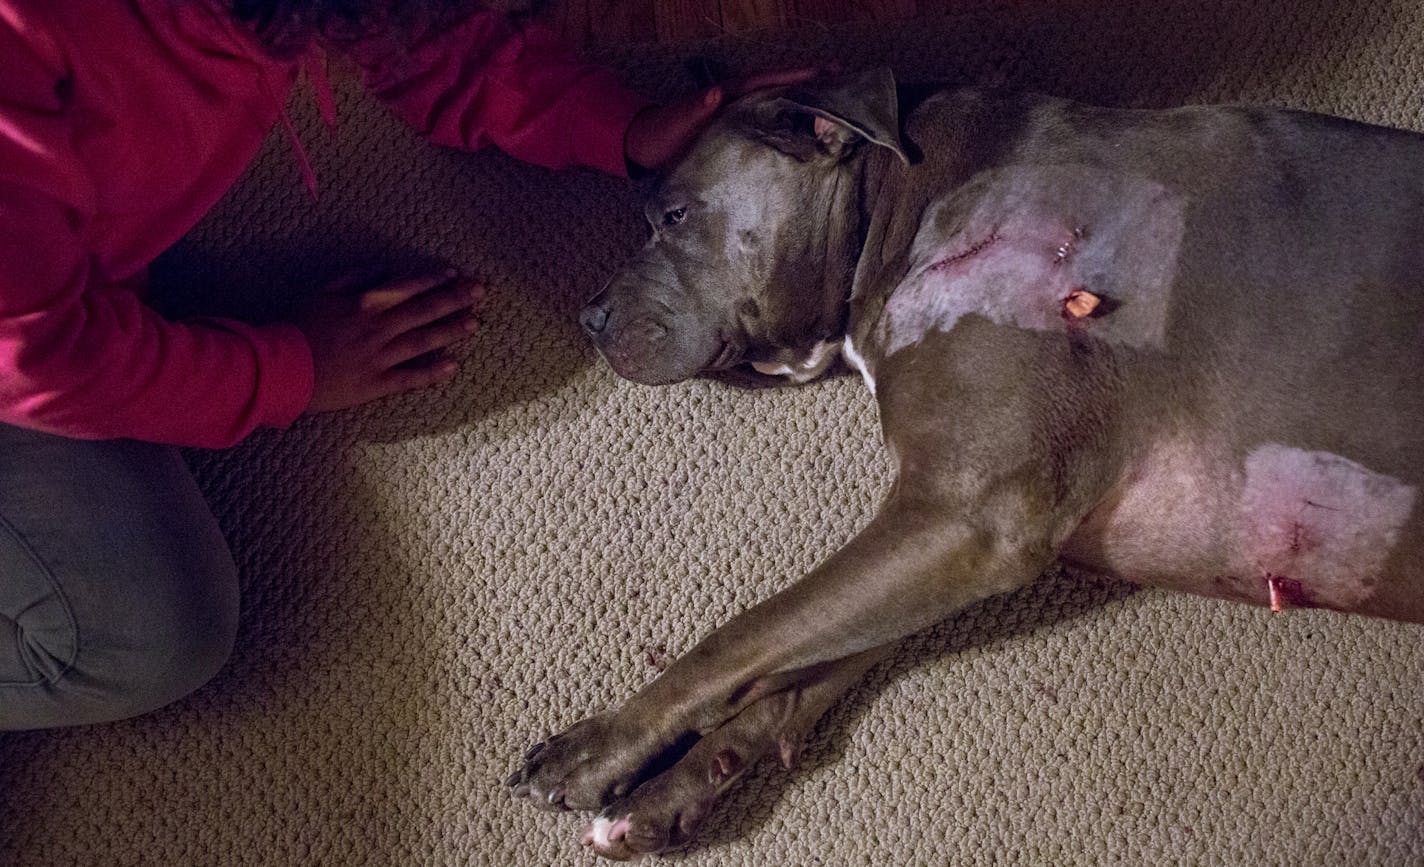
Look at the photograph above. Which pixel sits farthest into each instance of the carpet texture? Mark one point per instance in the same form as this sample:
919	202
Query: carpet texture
433	583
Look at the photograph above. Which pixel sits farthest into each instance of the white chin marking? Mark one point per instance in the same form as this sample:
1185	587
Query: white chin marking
771	368
854	359
804	369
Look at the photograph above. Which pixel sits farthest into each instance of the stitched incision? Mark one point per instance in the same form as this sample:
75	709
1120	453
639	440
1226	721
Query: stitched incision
974	250
1045	249
1317	526
1069	247
1062	254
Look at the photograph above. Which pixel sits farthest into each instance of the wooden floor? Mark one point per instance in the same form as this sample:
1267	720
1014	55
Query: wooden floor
621	22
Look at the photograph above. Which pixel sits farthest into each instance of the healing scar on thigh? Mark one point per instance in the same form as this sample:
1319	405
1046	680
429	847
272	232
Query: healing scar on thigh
1318	528
1046	248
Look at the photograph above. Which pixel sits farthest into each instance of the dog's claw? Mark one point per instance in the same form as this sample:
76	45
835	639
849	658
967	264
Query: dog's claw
592	763
556	797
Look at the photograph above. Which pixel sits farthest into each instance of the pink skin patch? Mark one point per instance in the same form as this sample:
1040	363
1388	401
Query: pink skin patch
1318	527
604	834
1048	248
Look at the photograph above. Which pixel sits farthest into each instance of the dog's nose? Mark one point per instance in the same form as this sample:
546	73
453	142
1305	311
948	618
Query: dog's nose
593	318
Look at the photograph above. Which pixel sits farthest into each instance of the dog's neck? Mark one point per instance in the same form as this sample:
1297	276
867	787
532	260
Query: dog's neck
861	289
846	222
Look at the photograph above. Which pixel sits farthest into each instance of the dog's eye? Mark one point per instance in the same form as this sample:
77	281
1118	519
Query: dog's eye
675	216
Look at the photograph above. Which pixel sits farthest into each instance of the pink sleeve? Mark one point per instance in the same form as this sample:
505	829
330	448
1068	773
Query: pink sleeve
484	80
91	361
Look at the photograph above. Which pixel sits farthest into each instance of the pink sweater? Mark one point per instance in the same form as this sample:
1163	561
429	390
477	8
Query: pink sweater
123	121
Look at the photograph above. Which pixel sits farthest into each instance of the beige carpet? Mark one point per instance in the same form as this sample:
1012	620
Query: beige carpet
433	583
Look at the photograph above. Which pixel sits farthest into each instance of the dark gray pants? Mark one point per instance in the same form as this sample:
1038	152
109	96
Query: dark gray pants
117	591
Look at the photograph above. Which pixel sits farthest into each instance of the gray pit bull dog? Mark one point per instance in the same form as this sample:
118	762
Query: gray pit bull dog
1180	347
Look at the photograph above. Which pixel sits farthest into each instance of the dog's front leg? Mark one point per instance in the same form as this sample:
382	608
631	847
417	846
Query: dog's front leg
668	810
922	558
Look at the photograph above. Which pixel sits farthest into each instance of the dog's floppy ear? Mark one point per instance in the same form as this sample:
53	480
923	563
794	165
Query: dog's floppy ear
832	118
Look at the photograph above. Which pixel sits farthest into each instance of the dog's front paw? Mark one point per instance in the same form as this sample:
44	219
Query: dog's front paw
668	810
586	767
661	814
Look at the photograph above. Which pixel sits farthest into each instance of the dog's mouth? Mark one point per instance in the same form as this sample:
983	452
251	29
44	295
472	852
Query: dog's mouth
648	353
728	356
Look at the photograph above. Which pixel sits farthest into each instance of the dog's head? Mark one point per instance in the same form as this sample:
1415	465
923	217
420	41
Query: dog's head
753	237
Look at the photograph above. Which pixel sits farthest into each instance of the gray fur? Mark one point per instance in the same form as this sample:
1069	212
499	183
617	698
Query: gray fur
1242	415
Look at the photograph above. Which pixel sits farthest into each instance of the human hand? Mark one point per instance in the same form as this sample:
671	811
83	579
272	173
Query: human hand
386	340
660	133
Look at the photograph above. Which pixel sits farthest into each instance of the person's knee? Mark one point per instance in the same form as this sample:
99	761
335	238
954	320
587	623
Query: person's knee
171	634
117	588
190	649
182	638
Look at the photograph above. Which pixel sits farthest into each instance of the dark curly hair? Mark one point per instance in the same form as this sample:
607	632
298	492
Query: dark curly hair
287	27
